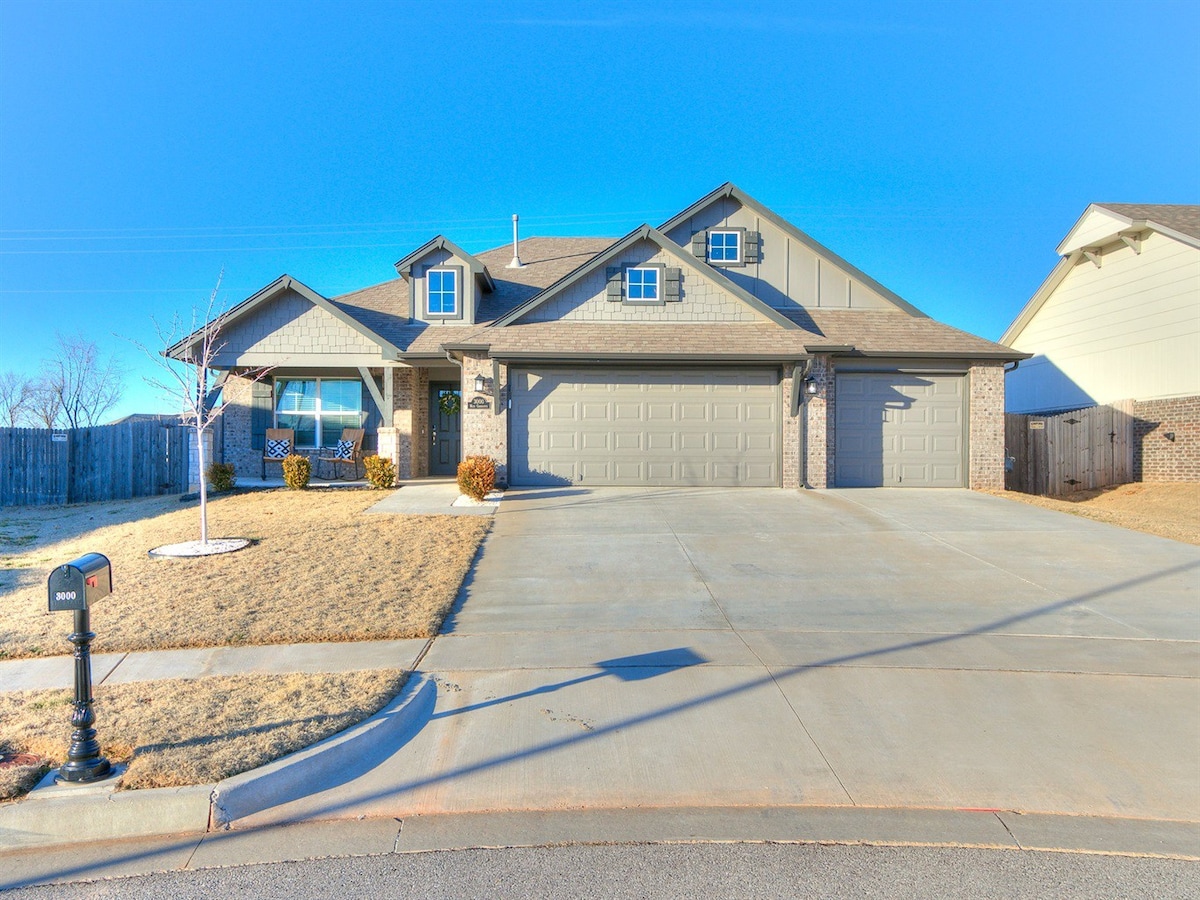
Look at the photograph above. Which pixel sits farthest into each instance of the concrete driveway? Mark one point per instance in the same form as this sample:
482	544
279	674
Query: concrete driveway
721	648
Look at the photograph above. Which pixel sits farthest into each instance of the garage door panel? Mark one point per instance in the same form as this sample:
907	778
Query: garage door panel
624	426
724	441
895	429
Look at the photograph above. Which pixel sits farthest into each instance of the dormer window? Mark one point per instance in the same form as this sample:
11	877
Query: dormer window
725	247
643	283
442	292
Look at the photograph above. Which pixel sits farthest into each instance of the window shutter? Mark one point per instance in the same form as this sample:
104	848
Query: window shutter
615	288
262	413
674	280
700	245
750	252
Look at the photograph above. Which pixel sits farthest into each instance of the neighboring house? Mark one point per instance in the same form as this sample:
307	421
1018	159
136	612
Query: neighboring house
726	347
1119	319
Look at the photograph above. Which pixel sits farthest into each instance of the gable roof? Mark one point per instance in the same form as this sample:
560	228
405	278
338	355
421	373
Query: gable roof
1183	218
729	189
665	244
282	285
1178	221
441	242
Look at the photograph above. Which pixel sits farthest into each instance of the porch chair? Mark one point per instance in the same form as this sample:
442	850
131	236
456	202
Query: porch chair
281	443
347	453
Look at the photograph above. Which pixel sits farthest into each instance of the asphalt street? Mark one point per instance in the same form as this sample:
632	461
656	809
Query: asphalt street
653	871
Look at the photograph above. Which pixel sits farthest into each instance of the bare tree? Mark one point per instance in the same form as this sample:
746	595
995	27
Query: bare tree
187	359
16	399
45	404
79	387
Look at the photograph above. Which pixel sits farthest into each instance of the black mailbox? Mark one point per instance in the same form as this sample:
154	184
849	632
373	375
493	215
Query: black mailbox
80	583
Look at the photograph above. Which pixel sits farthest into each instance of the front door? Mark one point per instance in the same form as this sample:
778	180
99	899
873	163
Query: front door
445	439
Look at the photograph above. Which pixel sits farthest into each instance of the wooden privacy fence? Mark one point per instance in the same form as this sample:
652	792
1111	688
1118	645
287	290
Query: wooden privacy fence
82	465
1071	451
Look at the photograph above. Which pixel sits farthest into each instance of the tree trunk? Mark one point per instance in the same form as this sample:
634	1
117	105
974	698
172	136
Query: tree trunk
203	483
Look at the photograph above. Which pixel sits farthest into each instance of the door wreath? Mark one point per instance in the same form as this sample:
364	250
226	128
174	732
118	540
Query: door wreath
449	403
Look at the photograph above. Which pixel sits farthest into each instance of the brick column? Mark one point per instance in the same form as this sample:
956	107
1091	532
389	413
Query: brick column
485	431
986	428
818	425
791	431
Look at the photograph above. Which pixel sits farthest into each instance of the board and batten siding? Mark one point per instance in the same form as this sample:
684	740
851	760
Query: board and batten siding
788	273
1130	328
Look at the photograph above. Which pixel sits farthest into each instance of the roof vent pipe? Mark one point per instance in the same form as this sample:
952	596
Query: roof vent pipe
516	260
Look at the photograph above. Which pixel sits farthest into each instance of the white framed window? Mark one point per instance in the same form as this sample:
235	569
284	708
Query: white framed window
643	284
442	292
318	408
725	247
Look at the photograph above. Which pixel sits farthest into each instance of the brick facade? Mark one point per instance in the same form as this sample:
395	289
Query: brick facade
985	430
485	431
410	421
235	447
818	425
791	431
1157	457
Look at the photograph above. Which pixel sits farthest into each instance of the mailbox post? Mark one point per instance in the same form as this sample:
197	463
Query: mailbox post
75	586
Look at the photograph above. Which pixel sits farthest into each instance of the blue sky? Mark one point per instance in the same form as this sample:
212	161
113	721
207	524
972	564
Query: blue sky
943	148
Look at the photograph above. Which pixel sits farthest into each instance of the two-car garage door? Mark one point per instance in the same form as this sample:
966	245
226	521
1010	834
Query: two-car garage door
717	427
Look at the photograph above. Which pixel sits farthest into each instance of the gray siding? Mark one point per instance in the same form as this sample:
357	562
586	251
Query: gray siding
789	273
291	325
701	300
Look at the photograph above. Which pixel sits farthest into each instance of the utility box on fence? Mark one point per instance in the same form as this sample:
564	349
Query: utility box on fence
80	583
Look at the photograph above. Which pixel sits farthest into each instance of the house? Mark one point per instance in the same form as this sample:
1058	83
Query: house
725	347
1119	319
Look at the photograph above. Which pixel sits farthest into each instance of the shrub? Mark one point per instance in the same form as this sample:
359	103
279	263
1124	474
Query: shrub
380	471
297	470
477	476
221	476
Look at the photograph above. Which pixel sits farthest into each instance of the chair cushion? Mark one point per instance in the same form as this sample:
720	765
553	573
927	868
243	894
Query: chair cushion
278	449
345	450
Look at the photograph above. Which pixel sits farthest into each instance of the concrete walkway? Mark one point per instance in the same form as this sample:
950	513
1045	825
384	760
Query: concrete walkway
845	655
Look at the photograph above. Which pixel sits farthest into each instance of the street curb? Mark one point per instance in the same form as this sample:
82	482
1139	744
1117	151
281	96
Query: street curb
333	760
57	815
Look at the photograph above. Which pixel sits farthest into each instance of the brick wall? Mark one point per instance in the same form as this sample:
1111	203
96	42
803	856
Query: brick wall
985	439
484	431
791	431
247	462
1155	456
818	425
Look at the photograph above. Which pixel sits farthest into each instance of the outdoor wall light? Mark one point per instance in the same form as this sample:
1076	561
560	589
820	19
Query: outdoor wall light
483	385
810	385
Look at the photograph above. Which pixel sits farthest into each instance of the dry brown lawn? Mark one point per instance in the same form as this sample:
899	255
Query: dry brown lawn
319	569
1167	510
191	731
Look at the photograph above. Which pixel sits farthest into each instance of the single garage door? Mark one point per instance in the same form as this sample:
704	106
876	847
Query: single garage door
895	430
645	427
